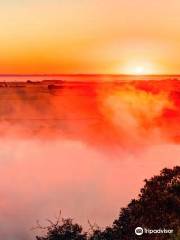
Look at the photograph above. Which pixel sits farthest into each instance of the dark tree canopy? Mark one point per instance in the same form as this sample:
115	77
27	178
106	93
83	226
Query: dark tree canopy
67	230
157	207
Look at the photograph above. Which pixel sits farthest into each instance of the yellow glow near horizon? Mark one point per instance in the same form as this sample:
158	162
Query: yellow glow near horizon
141	68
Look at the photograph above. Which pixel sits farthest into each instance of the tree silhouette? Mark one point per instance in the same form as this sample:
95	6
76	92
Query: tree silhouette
157	207
64	230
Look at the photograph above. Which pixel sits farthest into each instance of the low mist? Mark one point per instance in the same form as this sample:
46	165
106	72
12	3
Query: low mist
83	150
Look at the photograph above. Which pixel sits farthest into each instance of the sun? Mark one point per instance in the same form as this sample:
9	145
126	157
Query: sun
139	70
143	68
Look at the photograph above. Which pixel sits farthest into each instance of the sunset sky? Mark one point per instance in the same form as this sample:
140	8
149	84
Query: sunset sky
89	36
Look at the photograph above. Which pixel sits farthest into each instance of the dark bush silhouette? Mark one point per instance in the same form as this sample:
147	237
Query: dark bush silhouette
66	230
157	207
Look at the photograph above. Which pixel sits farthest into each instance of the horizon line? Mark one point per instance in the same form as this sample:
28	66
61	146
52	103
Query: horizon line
83	74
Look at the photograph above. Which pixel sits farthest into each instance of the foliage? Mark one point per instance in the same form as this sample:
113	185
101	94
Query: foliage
66	230
157	207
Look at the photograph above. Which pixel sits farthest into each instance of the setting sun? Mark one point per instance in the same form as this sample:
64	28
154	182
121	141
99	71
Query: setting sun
139	70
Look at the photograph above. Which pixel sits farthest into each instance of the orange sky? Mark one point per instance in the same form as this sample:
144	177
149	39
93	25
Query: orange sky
83	36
